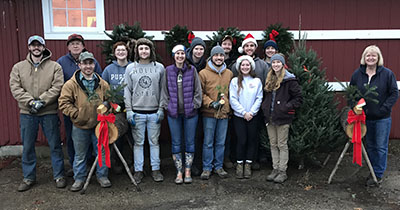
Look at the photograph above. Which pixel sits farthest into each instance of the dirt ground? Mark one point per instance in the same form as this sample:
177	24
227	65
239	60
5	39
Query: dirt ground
305	189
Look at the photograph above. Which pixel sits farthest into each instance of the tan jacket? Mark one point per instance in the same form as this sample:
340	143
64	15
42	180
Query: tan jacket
43	82
210	79
75	104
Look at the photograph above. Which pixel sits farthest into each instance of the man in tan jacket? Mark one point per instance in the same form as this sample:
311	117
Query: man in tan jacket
80	97
36	83
215	79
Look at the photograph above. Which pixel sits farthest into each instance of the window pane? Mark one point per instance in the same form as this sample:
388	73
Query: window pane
59	3
89	18
74	4
89	4
74	18
59	18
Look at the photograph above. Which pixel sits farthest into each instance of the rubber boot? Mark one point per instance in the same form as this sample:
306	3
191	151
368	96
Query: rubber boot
178	164
188	165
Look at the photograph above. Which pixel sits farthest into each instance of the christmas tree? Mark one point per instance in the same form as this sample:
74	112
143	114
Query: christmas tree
126	33
316	128
177	35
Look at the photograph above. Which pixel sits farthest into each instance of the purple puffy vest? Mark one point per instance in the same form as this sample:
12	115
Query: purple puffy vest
188	90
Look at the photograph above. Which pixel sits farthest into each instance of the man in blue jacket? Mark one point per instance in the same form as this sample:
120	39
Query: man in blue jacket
69	64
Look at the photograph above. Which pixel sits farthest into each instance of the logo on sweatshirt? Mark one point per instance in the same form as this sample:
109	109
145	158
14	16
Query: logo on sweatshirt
145	82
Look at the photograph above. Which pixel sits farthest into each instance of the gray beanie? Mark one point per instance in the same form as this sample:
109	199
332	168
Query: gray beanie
278	57
197	41
217	49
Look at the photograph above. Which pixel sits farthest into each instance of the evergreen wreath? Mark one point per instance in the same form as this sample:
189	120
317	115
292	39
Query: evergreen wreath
126	33
217	37
284	39
177	35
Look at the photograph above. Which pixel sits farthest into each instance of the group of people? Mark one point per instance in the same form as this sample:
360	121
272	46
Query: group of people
199	95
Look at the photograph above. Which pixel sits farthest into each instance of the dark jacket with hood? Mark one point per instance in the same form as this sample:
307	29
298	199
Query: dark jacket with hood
386	84
70	65
287	98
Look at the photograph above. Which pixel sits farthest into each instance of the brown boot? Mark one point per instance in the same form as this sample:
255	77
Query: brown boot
239	171
273	174
247	171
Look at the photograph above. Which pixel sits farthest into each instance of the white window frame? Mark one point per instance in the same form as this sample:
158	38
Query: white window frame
62	33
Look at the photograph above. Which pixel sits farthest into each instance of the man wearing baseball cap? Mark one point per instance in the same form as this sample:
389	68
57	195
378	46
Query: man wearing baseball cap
80	97
69	64
36	84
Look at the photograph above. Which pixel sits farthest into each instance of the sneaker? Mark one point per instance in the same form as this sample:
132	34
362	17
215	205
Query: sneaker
239	171
221	173
205	175
25	185
138	176
247	171
104	182
273	175
61	183
281	177
77	186
70	173
370	181
157	176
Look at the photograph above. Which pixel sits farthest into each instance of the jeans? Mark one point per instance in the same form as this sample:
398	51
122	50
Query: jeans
377	143
70	143
278	138
214	129
188	127
29	125
144	121
82	139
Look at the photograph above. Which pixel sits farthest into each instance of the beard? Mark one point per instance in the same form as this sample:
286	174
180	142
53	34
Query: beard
217	65
37	56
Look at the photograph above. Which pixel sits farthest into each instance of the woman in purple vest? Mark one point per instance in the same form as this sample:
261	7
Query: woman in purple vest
181	97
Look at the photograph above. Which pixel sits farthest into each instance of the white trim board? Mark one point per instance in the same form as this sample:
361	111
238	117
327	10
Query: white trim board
335	86
311	34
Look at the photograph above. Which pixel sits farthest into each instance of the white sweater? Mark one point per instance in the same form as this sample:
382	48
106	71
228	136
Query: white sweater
250	97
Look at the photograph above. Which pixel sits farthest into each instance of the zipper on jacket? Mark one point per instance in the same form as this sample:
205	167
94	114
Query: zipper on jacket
35	69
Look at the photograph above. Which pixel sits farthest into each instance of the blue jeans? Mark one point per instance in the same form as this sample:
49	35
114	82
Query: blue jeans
70	143
214	128
377	143
188	127
83	138
29	125
144	121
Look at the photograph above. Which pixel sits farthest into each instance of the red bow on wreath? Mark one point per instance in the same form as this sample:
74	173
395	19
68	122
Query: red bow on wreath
104	138
190	37
273	34
356	119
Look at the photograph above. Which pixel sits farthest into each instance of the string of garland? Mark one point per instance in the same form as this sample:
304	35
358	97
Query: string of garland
284	39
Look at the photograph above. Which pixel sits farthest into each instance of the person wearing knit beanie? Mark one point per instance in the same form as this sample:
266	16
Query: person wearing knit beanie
217	50
278	57
270	49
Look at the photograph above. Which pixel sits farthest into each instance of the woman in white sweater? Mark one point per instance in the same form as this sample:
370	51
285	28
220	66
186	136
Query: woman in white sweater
245	95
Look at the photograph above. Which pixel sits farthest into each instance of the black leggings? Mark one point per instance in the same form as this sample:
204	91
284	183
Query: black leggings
247	135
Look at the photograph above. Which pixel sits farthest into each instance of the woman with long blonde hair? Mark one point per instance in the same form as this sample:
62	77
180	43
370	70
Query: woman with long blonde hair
282	96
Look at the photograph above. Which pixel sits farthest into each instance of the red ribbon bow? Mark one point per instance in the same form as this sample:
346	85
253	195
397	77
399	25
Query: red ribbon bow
104	138
273	34
190	37
309	73
356	119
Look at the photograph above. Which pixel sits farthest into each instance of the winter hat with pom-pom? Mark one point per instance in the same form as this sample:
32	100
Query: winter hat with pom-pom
247	39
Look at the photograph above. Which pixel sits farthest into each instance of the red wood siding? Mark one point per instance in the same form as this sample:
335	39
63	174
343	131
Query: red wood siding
22	18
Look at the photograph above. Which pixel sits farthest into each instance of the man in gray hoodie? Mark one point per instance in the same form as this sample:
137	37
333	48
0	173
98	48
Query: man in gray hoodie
143	107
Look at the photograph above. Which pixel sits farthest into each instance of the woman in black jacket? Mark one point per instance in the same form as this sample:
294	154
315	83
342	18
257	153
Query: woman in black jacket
282	97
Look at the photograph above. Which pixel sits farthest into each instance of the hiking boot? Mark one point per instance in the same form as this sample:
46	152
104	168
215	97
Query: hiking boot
221	173
273	175
239	171
138	176
61	183
77	186
281	177
370	181
70	173
256	166
25	185
247	171
104	182
157	176
205	175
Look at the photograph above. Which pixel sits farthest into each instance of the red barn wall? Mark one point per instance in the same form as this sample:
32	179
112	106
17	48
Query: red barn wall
22	18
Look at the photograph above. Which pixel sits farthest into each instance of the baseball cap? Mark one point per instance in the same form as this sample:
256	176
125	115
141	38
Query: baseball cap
74	37
36	38
86	55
